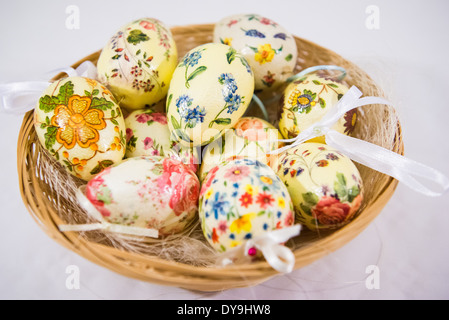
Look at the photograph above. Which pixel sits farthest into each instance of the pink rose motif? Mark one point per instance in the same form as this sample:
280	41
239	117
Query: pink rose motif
267	21
159	117
92	190
330	211
148	143
147	25
185	193
170	166
155	152
144	117
289	219
251	129
129	134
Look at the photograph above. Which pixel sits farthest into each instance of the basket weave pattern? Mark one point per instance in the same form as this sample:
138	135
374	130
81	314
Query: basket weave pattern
45	204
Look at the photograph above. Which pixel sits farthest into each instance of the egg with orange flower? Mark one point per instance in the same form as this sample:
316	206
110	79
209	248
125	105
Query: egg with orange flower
241	199
79	122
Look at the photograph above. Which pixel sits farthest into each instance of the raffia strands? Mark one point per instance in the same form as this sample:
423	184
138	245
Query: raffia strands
186	260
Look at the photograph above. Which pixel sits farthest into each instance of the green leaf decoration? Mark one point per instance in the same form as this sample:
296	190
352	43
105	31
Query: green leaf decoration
306	209
138	52
48	103
101	165
289	57
332	85
158	169
116	57
230	56
104	195
87	93
95	92
222	121
322	103
353	192
170	97
101	103
279	50
65	92
195	73
136	36
316	82
310	198
175	123
114	122
68	165
341	178
50	137
260	213
339	96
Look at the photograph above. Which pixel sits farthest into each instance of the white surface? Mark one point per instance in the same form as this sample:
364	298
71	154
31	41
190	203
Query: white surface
407	56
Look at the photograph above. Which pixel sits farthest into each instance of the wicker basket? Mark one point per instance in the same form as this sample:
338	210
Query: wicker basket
42	200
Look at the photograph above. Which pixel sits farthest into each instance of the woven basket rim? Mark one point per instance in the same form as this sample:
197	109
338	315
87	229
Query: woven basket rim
184	273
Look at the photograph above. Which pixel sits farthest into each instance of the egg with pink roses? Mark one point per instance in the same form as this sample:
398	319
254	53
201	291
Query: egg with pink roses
241	199
146	192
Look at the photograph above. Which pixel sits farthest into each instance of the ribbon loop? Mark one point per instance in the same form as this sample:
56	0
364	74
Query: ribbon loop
21	97
366	153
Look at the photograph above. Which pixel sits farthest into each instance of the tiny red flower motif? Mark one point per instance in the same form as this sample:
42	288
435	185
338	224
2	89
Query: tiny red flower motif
246	199
264	200
214	235
293	173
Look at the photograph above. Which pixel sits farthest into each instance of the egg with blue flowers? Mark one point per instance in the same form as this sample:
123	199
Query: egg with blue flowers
210	91
241	199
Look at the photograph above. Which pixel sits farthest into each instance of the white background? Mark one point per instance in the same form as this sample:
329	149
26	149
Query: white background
407	56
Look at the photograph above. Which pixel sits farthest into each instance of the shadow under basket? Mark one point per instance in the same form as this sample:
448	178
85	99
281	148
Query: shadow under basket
50	207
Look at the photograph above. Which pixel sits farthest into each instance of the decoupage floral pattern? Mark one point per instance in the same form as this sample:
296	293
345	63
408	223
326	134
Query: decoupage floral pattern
325	185
211	88
240	200
306	101
147	134
270	50
250	138
146	192
79	122
138	61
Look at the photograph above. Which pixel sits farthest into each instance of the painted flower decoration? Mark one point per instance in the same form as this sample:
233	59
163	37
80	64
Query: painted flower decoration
194	116
219	205
330	211
77	123
192	59
182	104
251	129
302	101
264	53
350	121
242	224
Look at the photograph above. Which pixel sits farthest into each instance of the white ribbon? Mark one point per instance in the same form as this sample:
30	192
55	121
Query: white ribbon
21	97
104	225
270	244
366	153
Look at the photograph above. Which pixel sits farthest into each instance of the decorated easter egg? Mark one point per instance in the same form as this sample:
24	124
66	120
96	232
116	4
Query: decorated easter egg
269	49
146	192
80	123
210	90
138	62
147	134
250	138
242	199
325	185
307	100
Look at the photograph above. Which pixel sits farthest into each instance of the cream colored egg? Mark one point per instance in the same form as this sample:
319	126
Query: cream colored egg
147	134
146	192
325	185
210	90
240	200
81	125
269	49
307	100
138	62
250	138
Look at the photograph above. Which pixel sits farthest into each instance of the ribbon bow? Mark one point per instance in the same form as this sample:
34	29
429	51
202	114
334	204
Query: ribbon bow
20	97
366	153
269	243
